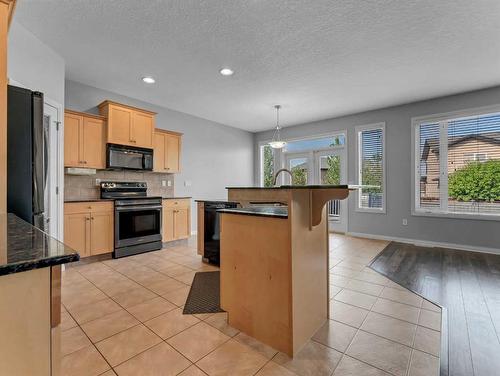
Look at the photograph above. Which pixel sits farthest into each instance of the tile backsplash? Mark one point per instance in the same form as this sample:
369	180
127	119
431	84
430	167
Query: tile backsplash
78	187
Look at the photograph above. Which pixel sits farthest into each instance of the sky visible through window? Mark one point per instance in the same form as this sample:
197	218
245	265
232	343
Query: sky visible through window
314	144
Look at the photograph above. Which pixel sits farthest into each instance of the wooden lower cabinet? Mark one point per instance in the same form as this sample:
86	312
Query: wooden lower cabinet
77	232
89	227
176	219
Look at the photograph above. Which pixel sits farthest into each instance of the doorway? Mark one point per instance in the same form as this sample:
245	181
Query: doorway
54	169
325	163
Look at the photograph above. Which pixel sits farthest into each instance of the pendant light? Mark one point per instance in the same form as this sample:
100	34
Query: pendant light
277	142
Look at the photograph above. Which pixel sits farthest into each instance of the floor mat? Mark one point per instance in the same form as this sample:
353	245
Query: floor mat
204	296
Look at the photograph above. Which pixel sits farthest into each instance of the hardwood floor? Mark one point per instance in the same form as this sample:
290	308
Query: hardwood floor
467	286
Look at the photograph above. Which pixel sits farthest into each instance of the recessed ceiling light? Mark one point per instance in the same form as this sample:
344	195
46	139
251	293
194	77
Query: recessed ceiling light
148	80
226	72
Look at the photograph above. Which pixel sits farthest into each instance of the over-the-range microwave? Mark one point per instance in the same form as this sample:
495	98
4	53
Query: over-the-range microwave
128	157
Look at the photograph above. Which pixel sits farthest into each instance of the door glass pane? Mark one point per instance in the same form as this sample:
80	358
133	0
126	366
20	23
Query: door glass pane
268	165
298	167
329	173
329	169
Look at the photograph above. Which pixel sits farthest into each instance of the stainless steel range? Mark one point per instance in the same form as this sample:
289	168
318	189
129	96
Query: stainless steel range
137	217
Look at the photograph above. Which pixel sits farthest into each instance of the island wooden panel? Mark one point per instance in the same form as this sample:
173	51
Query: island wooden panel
256	277
309	248
250	242
25	348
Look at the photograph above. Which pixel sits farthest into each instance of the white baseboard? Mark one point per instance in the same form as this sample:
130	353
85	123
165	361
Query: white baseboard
426	243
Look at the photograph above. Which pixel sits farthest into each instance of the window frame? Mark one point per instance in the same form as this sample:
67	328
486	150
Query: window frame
358	130
442	119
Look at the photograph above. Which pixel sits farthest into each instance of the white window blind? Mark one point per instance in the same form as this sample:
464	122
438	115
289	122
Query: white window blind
458	169
371	167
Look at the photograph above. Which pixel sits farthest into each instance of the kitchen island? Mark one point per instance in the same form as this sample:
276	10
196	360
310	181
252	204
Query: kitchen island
274	262
30	292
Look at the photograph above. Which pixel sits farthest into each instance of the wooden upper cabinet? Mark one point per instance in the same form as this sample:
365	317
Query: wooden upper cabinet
94	145
119	125
84	143
142	129
72	127
172	152
128	125
167	149
159	152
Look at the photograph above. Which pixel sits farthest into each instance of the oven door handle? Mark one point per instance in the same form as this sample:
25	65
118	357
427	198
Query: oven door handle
138	207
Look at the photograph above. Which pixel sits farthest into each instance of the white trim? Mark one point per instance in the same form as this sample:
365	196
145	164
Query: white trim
442	119
468	112
60	166
194	232
358	129
426	243
453	215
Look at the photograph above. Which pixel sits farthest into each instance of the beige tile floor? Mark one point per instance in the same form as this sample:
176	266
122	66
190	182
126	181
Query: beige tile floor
125	317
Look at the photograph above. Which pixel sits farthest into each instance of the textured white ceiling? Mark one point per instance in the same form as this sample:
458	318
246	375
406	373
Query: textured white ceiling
318	58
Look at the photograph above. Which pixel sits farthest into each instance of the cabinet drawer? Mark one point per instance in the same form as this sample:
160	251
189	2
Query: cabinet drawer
177	203
85	207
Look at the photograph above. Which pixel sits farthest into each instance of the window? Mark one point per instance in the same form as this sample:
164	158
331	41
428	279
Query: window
371	167
457	164
267	158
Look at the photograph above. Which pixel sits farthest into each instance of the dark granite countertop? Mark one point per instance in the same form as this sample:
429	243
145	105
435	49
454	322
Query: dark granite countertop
112	199
263	211
343	186
29	248
217	200
88	199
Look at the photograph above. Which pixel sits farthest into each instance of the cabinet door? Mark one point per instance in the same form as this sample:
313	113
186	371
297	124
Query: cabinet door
93	143
168	224
181	223
142	130
119	125
72	129
172	151
159	152
101	233
77	232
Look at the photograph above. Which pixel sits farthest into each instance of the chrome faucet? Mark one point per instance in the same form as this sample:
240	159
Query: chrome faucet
279	171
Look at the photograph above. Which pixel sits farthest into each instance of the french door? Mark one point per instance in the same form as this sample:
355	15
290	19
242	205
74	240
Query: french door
330	169
326	167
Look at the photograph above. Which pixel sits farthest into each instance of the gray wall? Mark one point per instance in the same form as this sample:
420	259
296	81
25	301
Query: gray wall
468	232
213	155
34	65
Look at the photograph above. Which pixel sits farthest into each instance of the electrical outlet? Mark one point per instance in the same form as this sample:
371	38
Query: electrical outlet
163	183
169	183
405	222
97	182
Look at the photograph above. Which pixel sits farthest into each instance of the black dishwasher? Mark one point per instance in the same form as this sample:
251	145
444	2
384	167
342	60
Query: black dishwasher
212	229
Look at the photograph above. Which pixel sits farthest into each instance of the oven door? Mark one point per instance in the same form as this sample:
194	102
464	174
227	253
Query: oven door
137	225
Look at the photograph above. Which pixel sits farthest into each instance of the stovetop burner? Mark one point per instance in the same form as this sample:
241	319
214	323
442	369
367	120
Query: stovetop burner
113	189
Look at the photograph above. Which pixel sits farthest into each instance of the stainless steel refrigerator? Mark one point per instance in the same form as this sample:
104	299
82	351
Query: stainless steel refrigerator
26	156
